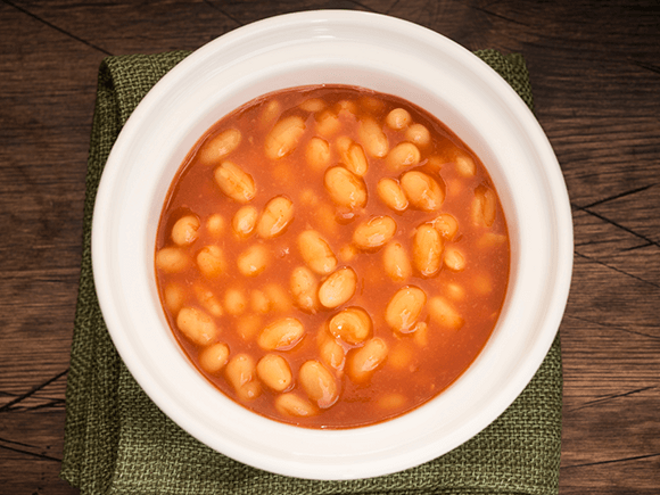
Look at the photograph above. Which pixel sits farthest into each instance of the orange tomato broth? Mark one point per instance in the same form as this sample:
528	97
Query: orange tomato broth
421	360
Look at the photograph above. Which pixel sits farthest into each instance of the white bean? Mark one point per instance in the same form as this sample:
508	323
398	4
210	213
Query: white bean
174	296
235	301
281	335
363	361
172	260
253	261
427	250
398	119
338	288
422	190
318	153
196	325
304	287
404	309
484	207
244	221
316	252
276	217
283	138
391	401
215	225
418	134
397	262
219	146
213	358
374	233
390	192
279	298
352	325
274	371
319	384
270	113
313	105
404	155
345	188
211	261
184	231
330	352
290	404
454	259
352	156
444	313
465	165
327	124
208	300
447	225
234	182
259	301
346	107
490	240
240	372
373	138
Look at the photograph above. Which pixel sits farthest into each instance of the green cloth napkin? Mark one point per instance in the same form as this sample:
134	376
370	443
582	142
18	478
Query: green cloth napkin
118	442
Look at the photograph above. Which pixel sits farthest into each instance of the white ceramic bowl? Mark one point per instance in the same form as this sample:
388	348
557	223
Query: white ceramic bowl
390	56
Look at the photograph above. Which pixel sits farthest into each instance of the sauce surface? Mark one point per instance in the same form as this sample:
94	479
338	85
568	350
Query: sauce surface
332	257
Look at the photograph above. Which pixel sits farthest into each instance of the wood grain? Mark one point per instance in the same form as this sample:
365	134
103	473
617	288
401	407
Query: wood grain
595	71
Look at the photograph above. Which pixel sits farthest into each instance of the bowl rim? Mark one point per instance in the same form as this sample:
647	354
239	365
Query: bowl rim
106	236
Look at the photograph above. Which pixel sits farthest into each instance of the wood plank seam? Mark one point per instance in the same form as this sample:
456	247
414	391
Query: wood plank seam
56	28
31	392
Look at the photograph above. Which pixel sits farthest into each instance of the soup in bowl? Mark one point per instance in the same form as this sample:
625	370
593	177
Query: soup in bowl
332	257
332	245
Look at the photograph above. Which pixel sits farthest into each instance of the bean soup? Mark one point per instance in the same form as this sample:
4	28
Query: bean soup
332	257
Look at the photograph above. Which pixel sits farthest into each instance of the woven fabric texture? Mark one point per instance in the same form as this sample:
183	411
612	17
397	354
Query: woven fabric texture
118	442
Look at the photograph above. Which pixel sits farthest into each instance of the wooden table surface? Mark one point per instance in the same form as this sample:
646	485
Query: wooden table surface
595	72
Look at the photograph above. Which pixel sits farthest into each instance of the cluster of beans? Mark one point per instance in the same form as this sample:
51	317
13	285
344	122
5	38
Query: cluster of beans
325	282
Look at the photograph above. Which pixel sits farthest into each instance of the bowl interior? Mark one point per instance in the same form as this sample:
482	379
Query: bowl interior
386	55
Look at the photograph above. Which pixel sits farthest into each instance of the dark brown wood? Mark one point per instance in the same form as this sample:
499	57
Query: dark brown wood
595	71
